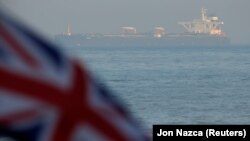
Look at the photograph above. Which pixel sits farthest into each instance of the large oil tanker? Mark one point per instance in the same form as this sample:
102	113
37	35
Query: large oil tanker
206	31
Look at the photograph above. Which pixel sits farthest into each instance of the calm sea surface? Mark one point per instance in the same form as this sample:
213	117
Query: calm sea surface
176	85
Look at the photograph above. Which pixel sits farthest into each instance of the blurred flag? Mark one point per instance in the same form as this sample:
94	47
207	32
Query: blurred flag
46	96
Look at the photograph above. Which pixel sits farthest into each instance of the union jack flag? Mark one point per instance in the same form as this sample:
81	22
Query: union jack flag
47	96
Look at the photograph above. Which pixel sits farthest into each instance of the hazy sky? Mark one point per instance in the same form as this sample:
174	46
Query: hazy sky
107	16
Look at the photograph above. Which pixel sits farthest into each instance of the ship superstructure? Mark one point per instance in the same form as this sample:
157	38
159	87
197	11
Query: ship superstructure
206	25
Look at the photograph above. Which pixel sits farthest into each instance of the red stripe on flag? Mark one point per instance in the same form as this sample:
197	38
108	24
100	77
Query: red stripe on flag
20	116
73	104
64	129
17	47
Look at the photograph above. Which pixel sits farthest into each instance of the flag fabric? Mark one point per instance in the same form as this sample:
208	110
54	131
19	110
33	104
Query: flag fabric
47	96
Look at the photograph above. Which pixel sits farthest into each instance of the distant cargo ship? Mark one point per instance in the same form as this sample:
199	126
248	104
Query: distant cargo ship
205	31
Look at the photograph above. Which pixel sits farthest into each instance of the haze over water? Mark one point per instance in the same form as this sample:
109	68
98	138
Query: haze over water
176	85
98	16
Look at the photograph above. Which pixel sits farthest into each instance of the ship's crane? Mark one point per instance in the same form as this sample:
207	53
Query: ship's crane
128	30
159	32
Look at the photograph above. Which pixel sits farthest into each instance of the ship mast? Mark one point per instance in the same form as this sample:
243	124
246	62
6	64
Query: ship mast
68	32
203	14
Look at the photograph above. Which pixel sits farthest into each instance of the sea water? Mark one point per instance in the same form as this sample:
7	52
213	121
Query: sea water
175	85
